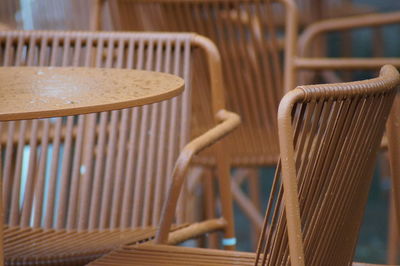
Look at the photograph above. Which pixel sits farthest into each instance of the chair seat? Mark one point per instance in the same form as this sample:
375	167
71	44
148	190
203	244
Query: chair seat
38	246
259	148
148	254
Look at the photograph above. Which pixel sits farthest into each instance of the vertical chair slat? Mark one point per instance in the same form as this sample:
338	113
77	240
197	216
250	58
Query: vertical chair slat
53	51
7	171
75	176
127	204
19	51
109	172
64	182
87	170
137	213
119	172
16	182
31	176
53	175
98	173
40	184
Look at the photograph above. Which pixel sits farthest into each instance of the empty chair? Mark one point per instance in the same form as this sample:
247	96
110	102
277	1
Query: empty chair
329	136
102	179
312	11
253	68
304	61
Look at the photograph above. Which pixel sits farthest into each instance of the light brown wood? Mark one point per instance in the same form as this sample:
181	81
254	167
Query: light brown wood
38	92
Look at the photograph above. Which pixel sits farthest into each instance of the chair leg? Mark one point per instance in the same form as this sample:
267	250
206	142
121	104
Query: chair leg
182	205
249	206
224	178
254	188
1	217
210	205
254	191
195	197
195	200
393	129
393	235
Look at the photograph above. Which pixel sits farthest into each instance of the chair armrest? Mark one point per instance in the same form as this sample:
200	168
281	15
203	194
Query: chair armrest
370	20
229	121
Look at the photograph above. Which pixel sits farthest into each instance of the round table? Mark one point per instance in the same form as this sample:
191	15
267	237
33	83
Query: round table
40	92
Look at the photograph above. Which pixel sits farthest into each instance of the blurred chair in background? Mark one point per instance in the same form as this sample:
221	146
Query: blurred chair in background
253	69
336	69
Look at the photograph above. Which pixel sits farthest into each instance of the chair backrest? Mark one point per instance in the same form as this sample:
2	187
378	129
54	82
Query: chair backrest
329	136
249	42
106	170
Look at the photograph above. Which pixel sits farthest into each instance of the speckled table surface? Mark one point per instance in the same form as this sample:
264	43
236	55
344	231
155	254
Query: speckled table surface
38	92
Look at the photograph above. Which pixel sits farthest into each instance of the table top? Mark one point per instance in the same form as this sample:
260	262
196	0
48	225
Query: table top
39	92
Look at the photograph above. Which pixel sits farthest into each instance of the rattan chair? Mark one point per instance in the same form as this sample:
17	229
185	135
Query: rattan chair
305	62
329	136
320	28
252	67
312	11
315	11
108	178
